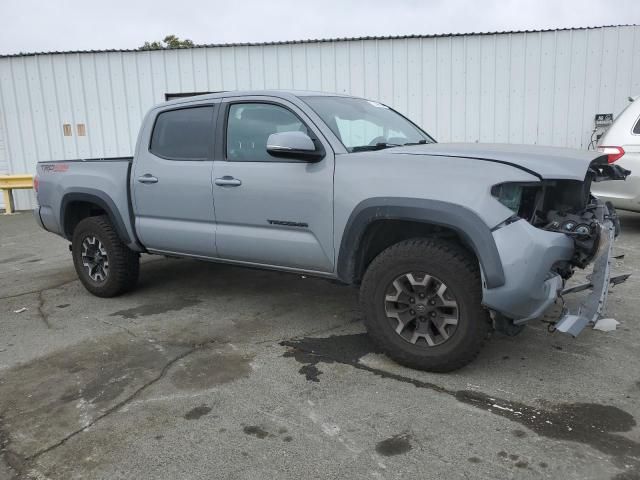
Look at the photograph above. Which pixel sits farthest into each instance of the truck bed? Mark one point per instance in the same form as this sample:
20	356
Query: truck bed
105	180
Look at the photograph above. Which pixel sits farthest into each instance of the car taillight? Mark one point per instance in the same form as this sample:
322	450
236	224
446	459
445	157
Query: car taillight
613	153
36	182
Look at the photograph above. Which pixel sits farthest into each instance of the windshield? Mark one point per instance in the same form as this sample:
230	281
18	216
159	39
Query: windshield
366	125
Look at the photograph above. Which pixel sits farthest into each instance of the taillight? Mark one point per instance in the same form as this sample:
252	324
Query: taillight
613	153
36	183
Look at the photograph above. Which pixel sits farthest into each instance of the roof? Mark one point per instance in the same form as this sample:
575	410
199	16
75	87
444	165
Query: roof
320	40
286	94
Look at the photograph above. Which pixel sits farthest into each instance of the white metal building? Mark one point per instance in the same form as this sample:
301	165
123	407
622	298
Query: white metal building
540	87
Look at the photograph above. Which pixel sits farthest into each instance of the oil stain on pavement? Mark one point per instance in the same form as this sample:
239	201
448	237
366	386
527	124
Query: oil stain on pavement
395	445
587	423
209	368
53	398
309	351
50	400
256	431
197	412
261	432
156	308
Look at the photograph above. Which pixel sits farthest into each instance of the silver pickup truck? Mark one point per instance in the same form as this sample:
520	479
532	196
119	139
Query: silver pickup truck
446	241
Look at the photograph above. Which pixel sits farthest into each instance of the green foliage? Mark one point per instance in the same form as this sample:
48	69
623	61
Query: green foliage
170	41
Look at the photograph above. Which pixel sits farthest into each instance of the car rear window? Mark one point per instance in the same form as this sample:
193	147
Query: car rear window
183	134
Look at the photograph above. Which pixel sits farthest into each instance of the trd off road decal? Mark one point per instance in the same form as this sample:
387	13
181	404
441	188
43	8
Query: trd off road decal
56	168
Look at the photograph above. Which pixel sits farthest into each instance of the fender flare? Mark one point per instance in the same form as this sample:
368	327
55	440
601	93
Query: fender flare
101	199
471	228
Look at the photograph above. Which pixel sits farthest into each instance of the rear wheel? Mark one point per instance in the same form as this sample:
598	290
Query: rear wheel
106	266
422	304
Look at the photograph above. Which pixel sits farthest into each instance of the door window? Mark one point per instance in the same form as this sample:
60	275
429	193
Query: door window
249	126
183	134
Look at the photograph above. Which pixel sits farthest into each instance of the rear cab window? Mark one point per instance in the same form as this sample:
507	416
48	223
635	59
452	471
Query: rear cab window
183	134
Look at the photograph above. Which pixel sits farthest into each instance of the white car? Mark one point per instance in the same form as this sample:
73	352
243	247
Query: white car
622	143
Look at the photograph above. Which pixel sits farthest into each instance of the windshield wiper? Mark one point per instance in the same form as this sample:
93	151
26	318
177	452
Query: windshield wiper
377	146
420	142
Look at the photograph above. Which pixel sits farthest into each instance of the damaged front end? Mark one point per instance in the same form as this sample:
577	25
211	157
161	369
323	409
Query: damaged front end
571	229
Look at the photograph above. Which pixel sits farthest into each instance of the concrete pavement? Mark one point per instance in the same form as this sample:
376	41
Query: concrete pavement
213	371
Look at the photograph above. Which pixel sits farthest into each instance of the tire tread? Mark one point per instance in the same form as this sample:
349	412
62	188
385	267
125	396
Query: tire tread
124	263
469	276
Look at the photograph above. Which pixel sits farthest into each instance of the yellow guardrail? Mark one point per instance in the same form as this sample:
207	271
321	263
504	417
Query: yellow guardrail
8	183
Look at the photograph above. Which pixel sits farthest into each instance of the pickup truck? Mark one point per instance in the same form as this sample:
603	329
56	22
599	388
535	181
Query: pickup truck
446	242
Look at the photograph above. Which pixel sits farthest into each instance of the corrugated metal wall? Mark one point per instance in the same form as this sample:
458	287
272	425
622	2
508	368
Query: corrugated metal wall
4	165
527	87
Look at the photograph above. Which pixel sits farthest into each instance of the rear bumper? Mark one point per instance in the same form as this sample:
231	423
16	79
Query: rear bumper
623	195
36	215
46	219
528	255
622	203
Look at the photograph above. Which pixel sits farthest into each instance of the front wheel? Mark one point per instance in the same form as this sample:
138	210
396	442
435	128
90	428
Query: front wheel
421	300
106	266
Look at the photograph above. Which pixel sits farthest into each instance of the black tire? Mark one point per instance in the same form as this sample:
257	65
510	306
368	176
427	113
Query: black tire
453	266
123	263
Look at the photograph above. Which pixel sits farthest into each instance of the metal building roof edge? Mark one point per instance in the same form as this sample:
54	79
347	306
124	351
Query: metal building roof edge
317	40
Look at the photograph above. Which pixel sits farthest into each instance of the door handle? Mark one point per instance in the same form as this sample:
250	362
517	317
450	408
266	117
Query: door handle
228	181
147	178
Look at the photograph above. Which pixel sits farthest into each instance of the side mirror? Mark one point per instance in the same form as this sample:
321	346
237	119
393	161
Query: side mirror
293	145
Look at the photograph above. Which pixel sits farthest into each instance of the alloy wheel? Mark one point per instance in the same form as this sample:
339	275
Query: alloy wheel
421	309
95	258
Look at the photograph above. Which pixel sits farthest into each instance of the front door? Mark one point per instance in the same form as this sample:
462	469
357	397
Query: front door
171	182
271	211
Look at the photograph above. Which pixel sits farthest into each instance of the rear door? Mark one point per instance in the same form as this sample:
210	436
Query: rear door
271	211
171	181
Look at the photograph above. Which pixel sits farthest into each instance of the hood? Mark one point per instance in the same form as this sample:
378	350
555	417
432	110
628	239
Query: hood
544	162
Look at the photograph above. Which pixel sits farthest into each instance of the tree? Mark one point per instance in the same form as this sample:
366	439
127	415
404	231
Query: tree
170	41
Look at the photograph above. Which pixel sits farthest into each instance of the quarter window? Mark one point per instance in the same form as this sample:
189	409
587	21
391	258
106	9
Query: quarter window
249	126
183	134
636	129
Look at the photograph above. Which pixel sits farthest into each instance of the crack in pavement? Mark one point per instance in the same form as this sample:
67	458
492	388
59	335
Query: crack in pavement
61	284
11	459
41	313
121	327
19	463
117	406
31	292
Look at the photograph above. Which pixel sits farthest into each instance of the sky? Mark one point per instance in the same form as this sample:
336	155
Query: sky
57	25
